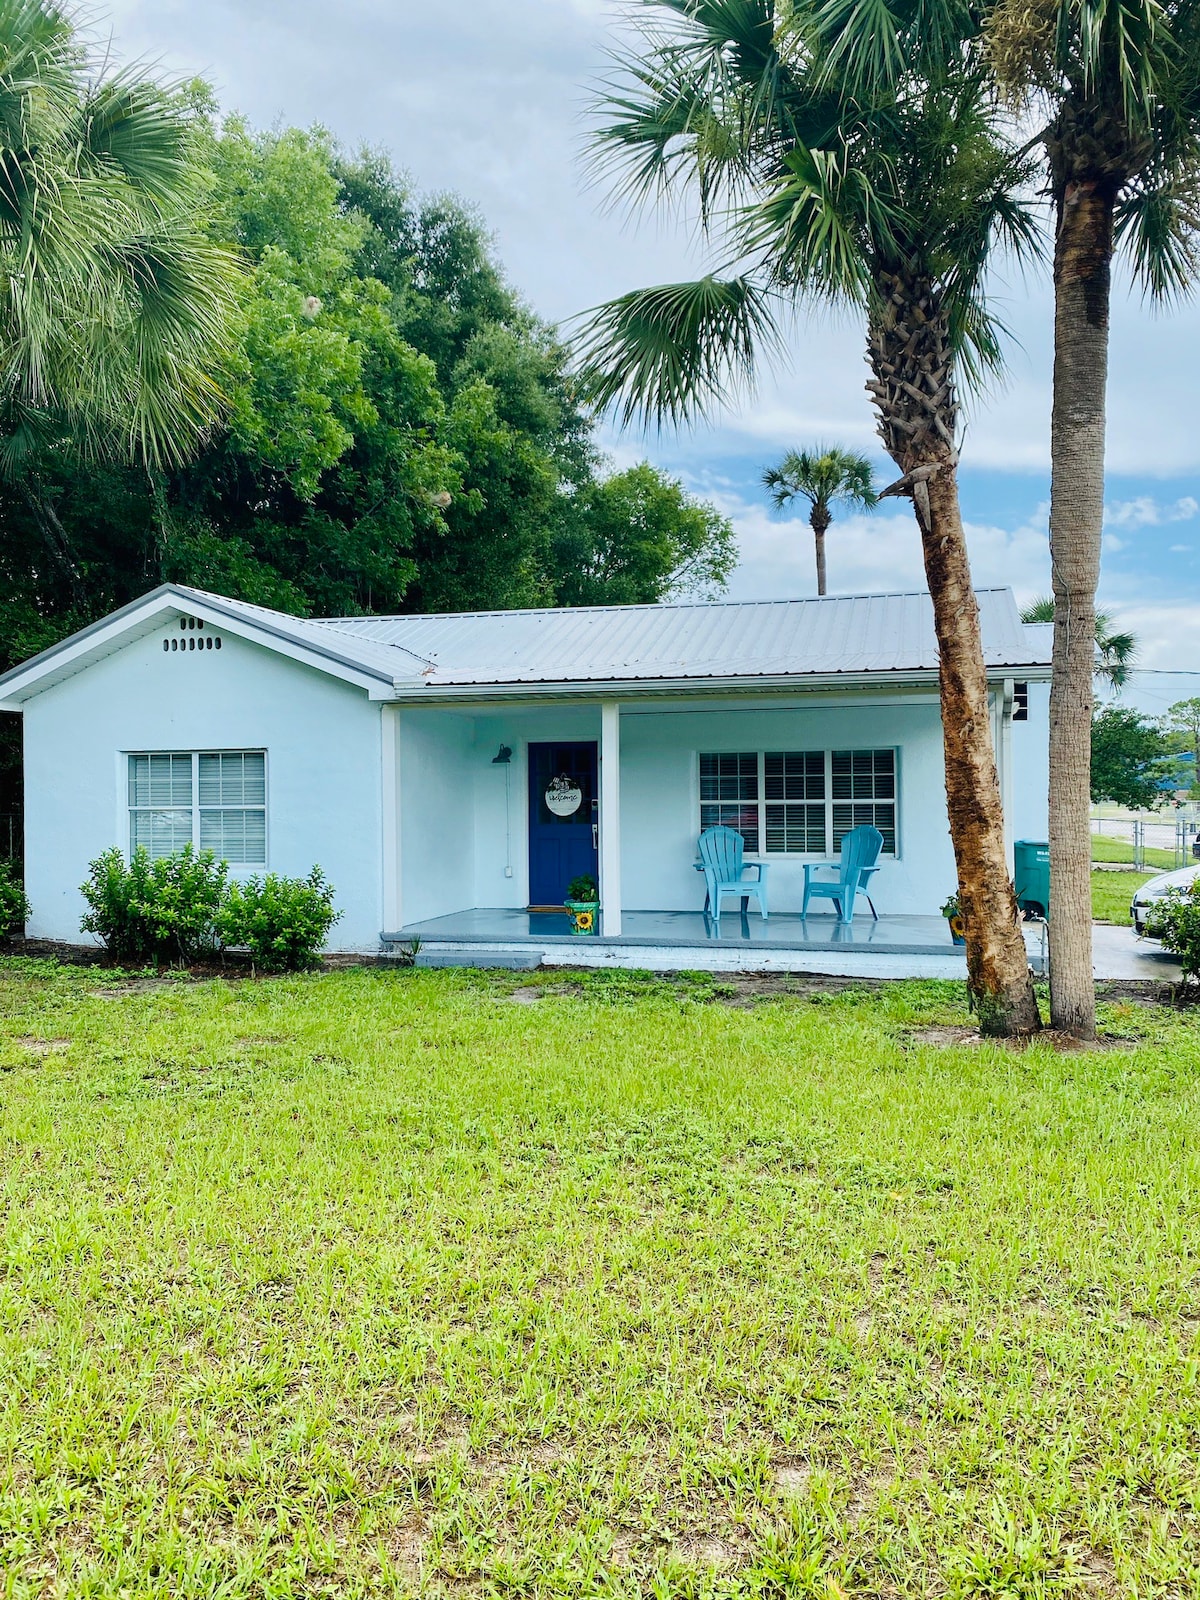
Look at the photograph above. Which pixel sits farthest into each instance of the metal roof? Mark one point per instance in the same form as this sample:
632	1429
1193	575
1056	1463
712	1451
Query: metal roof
852	634
721	642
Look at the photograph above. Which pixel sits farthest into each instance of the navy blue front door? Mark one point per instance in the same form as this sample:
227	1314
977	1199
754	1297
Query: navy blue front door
563	816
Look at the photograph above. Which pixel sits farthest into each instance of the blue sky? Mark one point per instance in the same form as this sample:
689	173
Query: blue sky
487	98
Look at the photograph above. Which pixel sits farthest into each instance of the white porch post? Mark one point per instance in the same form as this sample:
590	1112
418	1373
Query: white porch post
610	818
1003	741
390	852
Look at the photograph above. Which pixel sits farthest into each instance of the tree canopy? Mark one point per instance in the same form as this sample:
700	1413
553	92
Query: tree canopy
1127	751
401	432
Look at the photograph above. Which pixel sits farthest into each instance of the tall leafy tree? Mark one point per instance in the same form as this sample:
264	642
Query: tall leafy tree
636	538
1115	85
1127	752
400	432
886	198
824	477
1182	724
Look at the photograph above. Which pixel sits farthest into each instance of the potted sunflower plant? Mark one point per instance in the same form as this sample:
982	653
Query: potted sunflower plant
952	911
583	904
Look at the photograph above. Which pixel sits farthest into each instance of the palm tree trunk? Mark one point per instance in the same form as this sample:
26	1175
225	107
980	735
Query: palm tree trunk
820	520
997	961
911	356
1082	268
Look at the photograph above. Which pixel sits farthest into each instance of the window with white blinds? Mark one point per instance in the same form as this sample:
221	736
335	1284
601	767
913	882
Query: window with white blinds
799	802
212	799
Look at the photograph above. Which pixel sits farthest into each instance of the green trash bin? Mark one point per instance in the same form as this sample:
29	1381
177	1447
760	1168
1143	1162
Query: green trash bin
1032	878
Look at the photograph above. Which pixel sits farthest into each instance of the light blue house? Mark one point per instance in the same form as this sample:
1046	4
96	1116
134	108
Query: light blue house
453	773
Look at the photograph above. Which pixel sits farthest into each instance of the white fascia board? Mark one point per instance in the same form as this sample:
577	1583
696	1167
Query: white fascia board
642	688
135	621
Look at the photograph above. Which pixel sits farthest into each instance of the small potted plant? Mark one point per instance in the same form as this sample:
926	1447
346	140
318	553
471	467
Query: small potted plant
583	903
952	911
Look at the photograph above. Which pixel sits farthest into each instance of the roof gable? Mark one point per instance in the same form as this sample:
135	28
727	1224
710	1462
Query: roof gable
373	667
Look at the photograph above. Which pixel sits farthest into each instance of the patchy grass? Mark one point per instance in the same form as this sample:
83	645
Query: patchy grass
379	1283
1105	848
1112	892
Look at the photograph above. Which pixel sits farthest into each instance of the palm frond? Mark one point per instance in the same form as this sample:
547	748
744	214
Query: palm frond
672	353
821	224
1157	222
824	476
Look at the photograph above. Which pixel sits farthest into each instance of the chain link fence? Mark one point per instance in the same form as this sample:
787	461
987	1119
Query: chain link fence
1174	837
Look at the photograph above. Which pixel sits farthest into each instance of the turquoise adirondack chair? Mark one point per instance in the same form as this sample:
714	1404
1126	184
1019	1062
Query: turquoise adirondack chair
722	856
855	869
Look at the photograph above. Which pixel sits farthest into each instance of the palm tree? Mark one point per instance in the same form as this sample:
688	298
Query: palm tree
1115	653
1114	86
888	202
115	310
824	477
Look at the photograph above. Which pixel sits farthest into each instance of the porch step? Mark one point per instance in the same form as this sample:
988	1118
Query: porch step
515	961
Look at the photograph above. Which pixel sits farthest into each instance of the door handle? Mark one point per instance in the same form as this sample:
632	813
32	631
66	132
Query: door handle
595	836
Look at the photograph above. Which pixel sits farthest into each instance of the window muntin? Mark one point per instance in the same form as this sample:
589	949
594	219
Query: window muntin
729	791
799	802
797	826
213	800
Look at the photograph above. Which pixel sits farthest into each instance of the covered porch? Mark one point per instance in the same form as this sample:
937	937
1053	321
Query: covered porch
496	807
893	946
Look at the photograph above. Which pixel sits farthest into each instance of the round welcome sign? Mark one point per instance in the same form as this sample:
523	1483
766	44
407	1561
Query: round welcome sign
563	797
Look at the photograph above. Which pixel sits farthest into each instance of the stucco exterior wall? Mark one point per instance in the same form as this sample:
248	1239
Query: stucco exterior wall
1029	816
438	788
660	799
462	834
322	739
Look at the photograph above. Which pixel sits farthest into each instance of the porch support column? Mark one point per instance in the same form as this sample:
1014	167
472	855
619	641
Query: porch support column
390	851
610	818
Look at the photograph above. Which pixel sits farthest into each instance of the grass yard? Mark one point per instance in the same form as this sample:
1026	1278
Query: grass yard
1112	892
400	1283
1105	848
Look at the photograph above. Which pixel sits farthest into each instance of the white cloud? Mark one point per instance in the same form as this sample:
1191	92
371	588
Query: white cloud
873	554
1168	633
1148	512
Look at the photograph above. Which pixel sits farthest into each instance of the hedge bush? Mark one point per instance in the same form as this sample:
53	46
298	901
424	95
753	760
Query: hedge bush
1176	921
282	922
14	907
185	908
155	910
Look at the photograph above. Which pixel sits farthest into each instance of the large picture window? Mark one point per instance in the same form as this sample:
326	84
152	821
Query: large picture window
799	802
213	799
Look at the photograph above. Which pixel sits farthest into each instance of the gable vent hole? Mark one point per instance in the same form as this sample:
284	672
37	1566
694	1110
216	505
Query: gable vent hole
211	641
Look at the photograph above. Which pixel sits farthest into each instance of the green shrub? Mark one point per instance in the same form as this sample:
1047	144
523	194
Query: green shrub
14	907
1175	920
160	910
282	922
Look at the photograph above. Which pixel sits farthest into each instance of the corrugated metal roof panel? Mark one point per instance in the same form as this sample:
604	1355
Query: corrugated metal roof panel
726	639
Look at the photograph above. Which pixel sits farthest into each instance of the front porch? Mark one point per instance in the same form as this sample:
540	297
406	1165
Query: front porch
892	947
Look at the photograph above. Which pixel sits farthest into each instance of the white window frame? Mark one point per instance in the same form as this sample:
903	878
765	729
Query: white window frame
244	868
829	854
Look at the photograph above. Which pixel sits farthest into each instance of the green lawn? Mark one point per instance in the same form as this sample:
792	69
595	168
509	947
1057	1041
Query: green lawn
1112	892
397	1283
1107	849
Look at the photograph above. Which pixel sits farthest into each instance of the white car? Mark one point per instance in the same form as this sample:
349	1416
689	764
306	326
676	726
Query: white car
1154	889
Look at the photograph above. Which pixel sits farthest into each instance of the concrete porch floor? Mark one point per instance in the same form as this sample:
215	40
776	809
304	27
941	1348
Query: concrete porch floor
892	947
